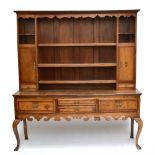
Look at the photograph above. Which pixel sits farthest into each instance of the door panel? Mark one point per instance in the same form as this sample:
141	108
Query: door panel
27	57
126	64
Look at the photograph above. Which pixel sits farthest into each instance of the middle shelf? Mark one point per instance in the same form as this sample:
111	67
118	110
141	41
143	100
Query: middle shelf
100	56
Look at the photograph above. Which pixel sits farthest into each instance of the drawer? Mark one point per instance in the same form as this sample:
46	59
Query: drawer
36	106
118	105
77	109
77	105
79	101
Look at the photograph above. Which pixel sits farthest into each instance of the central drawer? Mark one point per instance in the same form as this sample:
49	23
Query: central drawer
77	105
36	106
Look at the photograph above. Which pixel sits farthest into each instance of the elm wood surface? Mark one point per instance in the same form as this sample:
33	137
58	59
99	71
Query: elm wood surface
77	65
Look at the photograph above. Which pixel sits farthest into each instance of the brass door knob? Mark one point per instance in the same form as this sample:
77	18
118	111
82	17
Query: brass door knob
126	64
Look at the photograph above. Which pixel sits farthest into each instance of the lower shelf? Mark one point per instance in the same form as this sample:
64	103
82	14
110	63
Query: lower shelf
76	82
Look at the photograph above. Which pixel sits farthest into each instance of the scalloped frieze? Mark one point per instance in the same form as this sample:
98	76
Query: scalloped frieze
76	16
84	117
26	16
127	16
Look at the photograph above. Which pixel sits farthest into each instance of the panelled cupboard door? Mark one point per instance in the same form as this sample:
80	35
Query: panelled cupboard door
126	69
27	57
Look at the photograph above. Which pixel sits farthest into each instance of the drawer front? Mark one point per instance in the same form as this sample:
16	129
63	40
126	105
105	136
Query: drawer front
77	105
66	102
118	105
36	106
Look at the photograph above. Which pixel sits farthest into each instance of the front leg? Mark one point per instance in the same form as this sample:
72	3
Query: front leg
25	129
132	128
140	126
14	126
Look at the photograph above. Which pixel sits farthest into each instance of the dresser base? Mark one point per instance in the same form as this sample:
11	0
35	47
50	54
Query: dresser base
97	105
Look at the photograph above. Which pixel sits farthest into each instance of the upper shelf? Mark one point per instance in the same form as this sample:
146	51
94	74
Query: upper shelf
76	44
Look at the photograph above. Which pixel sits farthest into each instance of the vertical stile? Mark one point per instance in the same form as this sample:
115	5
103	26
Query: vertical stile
135	50
36	47
117	42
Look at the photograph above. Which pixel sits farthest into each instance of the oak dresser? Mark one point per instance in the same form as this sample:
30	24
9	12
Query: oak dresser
77	65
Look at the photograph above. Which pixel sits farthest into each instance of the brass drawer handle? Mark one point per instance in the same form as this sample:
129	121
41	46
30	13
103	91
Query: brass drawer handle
77	102
77	106
77	109
118	104
35	105
47	106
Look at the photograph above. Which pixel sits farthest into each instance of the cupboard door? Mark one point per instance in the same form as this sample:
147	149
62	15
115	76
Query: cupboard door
27	63
126	69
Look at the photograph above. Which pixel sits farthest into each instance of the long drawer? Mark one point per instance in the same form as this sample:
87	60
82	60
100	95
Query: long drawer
36	106
80	105
118	105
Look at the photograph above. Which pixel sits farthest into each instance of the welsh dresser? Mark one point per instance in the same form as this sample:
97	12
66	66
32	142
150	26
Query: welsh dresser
77	65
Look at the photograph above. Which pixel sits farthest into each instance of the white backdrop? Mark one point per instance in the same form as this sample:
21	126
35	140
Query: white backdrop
77	137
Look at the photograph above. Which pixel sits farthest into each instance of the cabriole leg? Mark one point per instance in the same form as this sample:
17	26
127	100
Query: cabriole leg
14	125
140	126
